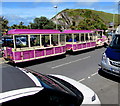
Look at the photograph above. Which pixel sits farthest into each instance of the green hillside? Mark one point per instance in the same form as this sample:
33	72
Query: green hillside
85	19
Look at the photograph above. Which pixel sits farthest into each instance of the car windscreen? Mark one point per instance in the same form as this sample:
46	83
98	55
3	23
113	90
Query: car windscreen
71	87
115	43
50	83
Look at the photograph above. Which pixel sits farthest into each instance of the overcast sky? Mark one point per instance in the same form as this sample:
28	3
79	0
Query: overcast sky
27	10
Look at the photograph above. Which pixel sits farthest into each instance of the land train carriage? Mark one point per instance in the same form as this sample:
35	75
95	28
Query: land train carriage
22	45
77	40
101	39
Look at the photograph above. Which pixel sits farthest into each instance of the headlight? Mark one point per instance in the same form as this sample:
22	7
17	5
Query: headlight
93	98
104	58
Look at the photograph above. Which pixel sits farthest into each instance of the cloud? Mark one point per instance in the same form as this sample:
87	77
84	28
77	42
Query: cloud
35	10
60	0
0	8
14	19
25	14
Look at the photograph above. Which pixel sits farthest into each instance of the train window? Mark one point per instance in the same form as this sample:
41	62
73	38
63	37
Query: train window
99	35
91	36
94	36
69	38
76	37
7	41
86	37
54	40
82	37
35	40
45	40
62	39
21	41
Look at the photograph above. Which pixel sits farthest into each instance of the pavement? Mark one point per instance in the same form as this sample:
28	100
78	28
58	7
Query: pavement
2	60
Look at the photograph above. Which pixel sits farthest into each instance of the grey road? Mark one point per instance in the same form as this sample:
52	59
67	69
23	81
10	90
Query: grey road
83	67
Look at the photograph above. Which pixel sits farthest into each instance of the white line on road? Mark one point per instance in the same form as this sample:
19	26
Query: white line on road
81	80
88	77
70	62
94	74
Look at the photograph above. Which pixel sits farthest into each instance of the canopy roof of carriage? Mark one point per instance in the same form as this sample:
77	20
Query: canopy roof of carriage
45	31
78	31
33	31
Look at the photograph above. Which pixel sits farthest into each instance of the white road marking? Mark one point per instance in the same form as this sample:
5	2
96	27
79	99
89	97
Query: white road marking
81	80
94	74
88	77
70	62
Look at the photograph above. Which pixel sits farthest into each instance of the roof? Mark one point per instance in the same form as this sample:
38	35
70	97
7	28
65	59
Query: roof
13	78
98	30
78	31
45	31
33	31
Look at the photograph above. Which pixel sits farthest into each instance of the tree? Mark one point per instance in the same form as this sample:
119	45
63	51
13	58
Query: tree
14	26
20	26
42	23
3	25
21	23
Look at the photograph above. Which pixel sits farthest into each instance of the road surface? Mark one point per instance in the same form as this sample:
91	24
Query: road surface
83	67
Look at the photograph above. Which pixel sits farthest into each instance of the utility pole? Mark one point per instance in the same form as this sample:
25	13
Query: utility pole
56	17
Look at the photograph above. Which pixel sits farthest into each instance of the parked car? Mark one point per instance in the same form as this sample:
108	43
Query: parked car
110	63
117	30
26	87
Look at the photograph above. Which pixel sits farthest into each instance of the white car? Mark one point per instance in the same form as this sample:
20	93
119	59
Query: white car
117	30
25	87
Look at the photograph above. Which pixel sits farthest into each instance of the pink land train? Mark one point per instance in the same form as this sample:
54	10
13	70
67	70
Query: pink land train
21	45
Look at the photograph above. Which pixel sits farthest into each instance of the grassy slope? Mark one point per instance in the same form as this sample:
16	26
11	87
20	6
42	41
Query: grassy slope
106	17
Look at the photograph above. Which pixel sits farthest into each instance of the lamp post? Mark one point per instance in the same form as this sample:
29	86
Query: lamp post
113	21
56	17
